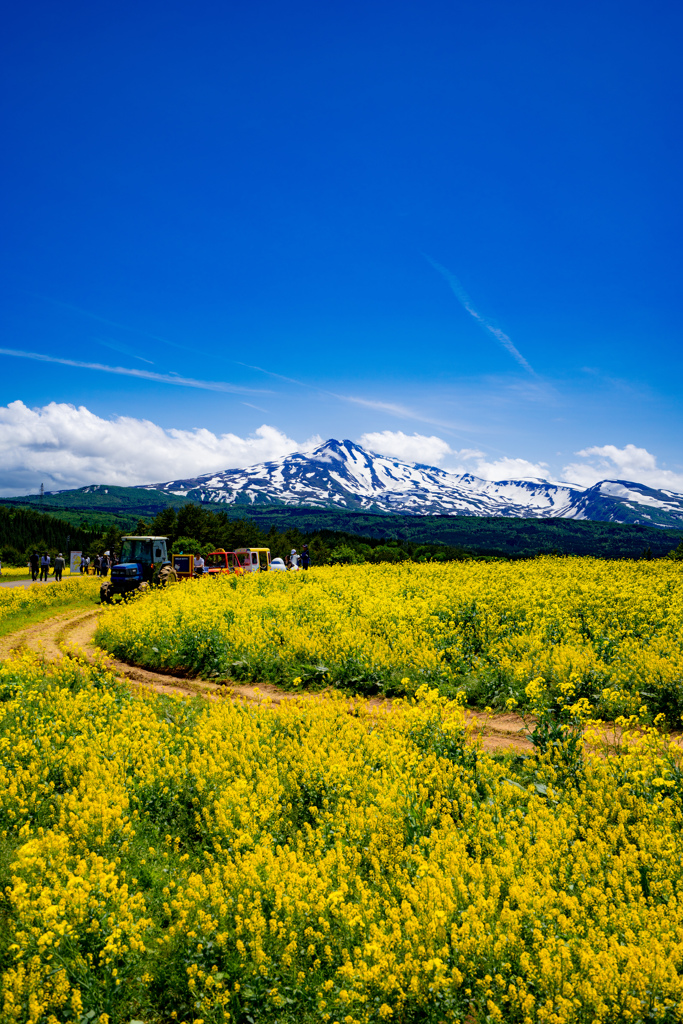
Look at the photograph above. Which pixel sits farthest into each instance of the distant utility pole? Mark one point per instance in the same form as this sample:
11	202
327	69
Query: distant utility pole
42	491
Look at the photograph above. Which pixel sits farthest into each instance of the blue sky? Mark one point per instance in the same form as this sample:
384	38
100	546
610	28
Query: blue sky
456	221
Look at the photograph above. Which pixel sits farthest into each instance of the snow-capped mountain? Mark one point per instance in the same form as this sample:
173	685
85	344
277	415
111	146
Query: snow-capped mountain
341	474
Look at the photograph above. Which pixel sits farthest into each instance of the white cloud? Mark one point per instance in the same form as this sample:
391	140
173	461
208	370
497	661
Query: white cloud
434	451
63	446
511	469
412	447
607	462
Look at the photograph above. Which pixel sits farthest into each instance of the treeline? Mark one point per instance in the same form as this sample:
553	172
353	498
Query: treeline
23	531
498	536
367	538
197	528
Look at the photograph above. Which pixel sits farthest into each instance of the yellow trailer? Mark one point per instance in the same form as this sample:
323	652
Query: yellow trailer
254	559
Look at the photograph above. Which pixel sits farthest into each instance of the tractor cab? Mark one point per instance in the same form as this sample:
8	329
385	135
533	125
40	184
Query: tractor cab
254	559
140	558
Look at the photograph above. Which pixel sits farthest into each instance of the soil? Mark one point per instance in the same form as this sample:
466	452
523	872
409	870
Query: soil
496	732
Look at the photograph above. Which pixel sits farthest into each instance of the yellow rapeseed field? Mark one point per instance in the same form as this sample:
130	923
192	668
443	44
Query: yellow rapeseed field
40	596
609	632
322	861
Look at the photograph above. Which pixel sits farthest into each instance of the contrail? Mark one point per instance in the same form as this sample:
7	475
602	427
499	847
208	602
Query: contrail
279	376
464	300
114	323
257	407
400	411
122	350
161	378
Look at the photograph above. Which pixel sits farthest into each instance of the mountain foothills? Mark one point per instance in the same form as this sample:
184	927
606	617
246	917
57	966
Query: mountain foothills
345	476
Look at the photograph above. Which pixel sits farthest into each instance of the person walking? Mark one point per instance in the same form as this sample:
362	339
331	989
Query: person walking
305	557
104	564
294	558
60	562
34	565
82	564
44	566
97	563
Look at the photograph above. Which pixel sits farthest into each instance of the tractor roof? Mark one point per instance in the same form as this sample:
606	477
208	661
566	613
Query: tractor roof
137	537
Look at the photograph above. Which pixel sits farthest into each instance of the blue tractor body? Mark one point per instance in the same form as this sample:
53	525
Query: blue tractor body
141	557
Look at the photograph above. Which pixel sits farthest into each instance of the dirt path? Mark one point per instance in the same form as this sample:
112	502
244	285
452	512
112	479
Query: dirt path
77	629
45	637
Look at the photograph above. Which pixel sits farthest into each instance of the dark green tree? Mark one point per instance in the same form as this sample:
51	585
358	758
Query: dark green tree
112	540
344	554
194	521
165	523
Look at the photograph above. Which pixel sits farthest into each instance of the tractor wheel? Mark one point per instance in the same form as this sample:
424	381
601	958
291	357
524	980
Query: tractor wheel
167	574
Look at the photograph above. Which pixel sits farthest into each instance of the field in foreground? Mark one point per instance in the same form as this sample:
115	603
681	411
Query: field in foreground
546	632
20	606
165	859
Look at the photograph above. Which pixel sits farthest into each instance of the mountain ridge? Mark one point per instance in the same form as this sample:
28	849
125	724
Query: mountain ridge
343	475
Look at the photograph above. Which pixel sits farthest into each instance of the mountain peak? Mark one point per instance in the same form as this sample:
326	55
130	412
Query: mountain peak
339	450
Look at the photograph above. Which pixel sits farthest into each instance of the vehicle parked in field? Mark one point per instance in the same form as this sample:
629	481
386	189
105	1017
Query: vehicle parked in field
254	559
221	561
144	561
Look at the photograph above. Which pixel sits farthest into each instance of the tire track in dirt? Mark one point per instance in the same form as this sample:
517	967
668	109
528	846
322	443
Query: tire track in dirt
45	637
77	631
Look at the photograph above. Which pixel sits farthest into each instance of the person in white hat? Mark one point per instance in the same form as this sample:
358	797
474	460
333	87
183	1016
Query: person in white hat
294	558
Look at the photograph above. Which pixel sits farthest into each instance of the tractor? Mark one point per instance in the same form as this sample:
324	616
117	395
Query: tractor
144	563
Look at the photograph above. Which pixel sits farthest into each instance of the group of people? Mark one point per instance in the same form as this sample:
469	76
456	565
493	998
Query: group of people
100	563
41	563
295	561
